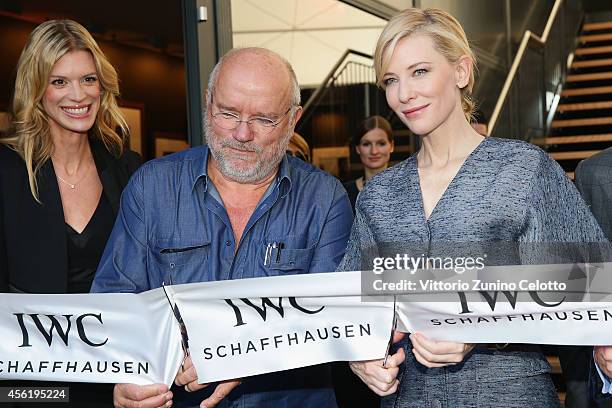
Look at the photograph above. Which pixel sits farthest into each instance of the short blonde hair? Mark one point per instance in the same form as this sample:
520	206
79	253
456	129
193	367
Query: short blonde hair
29	134
443	29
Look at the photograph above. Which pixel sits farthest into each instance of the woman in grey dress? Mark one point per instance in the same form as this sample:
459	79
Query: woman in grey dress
459	188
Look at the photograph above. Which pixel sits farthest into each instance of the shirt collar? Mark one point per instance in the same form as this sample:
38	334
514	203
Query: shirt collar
284	176
200	168
200	171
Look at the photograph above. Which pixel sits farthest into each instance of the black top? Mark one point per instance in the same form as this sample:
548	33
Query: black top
28	227
85	249
352	191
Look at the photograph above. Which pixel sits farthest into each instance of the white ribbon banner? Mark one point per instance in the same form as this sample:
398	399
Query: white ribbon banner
254	326
109	338
279	323
569	323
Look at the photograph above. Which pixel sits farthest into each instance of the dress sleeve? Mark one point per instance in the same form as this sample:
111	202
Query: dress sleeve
555	211
558	227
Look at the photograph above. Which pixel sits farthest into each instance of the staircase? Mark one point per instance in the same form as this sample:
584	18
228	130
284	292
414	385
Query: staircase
346	97
582	124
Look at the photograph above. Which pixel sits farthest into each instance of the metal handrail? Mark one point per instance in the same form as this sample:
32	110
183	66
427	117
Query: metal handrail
315	95
516	62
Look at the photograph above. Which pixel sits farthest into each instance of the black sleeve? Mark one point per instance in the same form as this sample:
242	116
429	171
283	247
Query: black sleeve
3	255
582	174
598	399
132	161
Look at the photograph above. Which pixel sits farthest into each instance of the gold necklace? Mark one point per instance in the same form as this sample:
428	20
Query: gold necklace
72	185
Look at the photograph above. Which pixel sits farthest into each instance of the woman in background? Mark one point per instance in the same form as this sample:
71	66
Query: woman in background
373	141
460	194
63	166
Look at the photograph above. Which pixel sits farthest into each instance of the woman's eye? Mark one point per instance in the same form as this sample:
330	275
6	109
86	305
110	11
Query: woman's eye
389	81
58	82
420	72
90	79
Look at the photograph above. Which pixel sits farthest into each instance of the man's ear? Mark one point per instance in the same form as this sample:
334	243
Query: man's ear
298	114
463	71
207	95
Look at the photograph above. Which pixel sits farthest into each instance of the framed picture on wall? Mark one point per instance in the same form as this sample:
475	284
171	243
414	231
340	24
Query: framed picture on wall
134	116
5	118
5	122
168	143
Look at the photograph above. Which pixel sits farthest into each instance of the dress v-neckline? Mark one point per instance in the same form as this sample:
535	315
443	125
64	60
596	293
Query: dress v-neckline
415	169
90	218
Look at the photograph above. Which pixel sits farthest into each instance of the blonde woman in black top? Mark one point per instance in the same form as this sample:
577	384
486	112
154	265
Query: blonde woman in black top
62	169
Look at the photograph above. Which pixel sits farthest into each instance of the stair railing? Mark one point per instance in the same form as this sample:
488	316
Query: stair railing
344	72
531	90
331	76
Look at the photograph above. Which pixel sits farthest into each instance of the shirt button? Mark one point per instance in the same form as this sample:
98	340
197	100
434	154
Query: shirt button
228	242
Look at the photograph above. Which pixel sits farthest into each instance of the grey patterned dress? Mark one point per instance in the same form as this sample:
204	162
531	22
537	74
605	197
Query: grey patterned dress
506	190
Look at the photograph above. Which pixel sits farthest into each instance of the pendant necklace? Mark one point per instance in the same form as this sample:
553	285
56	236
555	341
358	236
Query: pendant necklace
72	185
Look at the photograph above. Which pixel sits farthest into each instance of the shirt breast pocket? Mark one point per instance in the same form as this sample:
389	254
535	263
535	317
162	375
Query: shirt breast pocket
286	255
180	262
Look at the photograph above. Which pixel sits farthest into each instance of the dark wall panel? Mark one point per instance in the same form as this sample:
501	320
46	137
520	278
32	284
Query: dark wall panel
148	77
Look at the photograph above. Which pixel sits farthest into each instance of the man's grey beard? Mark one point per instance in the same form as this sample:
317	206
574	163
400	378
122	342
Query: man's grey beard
266	164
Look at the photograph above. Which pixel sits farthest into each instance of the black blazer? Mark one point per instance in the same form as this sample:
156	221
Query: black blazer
594	180
33	248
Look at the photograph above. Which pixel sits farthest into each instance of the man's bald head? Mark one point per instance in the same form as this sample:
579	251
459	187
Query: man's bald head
250	86
260	60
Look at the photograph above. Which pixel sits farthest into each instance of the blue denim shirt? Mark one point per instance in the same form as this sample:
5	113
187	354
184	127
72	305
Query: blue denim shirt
171	230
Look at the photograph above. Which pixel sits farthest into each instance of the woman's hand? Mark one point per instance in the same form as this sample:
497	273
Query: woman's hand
381	379
433	354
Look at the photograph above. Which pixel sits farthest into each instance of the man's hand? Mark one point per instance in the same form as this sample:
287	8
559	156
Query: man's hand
142	396
434	354
603	358
188	377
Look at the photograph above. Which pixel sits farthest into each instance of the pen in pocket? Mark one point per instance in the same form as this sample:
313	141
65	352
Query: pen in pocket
268	254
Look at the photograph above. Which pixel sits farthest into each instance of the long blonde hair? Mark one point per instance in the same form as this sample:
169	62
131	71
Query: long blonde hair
29	134
443	29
